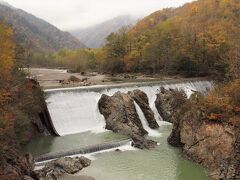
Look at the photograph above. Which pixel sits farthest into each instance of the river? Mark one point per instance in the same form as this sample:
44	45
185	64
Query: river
76	118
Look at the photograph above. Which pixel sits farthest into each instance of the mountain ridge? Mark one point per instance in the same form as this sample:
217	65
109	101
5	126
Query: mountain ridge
35	33
94	36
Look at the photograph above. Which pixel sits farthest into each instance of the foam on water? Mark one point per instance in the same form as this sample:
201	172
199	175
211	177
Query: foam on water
144	122
92	156
75	110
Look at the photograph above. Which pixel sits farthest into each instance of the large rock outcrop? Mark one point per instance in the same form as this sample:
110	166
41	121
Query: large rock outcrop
167	103
215	145
142	100
121	117
65	165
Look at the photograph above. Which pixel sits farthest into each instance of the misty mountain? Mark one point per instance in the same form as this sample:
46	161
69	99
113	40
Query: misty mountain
95	36
34	33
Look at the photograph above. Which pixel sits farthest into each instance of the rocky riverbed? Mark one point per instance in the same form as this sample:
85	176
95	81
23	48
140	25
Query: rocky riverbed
57	78
62	167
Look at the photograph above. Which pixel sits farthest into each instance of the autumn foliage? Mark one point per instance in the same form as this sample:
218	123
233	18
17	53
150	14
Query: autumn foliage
6	52
221	105
20	104
224	104
198	39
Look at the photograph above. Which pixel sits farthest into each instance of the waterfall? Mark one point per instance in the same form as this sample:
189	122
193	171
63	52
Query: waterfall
75	110
144	122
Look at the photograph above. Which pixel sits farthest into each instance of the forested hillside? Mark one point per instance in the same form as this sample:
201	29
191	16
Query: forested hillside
36	34
94	37
200	38
21	101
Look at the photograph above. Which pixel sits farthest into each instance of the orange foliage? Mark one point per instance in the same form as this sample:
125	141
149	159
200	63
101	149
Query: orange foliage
224	104
6	52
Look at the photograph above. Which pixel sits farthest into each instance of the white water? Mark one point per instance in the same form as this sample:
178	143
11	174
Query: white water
144	122
92	156
74	110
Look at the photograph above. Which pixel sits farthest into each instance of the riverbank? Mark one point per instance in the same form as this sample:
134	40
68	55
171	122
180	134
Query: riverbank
60	78
206	128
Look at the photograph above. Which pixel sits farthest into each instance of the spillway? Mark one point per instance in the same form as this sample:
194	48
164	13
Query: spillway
75	110
82	151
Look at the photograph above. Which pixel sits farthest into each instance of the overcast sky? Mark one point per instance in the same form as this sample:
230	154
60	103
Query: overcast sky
72	14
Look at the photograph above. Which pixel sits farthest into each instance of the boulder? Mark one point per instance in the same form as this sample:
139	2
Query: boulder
85	161
142	143
73	79
121	115
167	103
61	166
142	100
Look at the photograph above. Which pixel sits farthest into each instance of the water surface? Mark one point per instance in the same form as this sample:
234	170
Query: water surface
163	163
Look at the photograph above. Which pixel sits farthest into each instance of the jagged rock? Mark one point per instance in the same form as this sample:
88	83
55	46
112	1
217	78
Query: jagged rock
142	143
121	115
84	79
18	167
168	101
73	79
61	166
142	100
174	138
85	161
214	145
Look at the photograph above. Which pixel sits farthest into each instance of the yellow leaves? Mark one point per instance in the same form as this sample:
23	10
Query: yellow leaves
224	104
194	9
212	116
235	120
5	96
237	109
6	52
224	3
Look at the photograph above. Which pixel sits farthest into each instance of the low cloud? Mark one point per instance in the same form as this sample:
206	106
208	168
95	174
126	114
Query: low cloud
72	14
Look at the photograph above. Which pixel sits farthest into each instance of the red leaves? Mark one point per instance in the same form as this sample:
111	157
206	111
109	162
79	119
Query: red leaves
224	104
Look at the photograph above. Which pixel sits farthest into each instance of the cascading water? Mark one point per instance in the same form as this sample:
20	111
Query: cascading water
150	131
84	150
75	110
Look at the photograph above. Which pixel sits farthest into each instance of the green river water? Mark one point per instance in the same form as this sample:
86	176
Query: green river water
163	163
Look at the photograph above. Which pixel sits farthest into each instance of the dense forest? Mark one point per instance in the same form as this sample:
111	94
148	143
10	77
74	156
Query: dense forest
21	100
198	39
